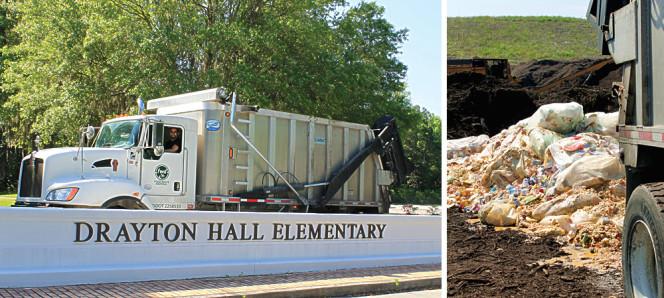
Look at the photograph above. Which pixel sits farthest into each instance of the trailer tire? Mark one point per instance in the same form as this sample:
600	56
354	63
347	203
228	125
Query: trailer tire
643	242
124	203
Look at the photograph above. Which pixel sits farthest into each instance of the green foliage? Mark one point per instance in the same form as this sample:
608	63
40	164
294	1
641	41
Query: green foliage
423	147
73	69
520	39
84	61
7	202
10	156
68	64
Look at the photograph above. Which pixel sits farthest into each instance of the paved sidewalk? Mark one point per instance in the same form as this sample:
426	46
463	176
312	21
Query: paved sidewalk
308	284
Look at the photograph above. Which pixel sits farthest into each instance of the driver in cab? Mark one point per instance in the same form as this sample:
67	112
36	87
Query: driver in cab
174	142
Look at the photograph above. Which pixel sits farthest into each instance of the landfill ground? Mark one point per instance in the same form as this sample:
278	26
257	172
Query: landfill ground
485	262
535	186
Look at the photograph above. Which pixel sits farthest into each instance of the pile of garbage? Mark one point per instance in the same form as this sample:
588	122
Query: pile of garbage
557	173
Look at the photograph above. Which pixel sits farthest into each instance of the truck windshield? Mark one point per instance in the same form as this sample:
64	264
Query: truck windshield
121	134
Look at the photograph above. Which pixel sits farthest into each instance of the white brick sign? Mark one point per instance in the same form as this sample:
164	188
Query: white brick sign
40	247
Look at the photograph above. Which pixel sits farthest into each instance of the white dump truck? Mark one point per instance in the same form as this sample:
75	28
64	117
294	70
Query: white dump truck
632	32
204	151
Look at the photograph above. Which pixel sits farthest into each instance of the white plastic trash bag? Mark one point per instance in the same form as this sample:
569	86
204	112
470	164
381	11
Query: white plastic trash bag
509	157
565	206
582	217
588	171
540	139
466	146
562	118
602	123
568	150
498	213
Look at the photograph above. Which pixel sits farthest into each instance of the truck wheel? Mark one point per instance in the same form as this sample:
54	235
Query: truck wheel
643	242
124	203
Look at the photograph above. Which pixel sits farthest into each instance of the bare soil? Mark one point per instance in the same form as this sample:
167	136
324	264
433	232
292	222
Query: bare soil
483	262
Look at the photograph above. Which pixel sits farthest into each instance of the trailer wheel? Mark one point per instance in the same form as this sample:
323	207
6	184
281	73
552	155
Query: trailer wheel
643	242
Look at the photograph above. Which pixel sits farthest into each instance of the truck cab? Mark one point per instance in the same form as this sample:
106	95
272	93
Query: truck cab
127	166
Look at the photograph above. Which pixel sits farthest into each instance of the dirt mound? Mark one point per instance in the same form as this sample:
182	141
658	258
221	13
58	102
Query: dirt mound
477	104
593	99
539	73
482	262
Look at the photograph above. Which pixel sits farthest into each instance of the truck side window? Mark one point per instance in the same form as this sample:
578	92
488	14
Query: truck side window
173	137
148	153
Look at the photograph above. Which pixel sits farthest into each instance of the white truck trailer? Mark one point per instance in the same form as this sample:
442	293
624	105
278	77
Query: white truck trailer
230	157
632	32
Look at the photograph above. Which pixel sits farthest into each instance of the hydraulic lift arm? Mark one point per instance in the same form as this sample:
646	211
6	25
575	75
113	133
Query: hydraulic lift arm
386	143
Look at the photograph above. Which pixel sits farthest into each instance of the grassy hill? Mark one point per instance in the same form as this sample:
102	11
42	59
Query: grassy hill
521	39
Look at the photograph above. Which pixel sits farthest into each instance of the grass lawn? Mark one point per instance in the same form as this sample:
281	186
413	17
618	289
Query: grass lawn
7	200
520	39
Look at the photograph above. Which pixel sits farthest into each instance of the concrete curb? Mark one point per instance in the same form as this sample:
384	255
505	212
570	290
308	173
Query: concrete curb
347	289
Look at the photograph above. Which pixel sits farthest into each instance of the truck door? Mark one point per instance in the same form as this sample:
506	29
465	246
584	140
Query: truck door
164	175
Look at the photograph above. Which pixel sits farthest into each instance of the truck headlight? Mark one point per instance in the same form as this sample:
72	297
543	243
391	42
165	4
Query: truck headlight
62	194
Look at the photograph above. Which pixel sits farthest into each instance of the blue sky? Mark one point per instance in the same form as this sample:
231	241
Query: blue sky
422	52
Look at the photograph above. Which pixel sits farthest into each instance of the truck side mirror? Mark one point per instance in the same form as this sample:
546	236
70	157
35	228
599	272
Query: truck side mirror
90	132
158	138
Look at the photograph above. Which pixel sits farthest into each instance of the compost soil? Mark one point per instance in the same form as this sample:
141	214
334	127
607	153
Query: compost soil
477	104
483	262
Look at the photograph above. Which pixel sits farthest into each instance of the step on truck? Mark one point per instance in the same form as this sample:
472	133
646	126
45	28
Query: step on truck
632	32
204	151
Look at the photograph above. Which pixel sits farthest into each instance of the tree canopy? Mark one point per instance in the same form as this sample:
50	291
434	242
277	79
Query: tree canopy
73	63
84	61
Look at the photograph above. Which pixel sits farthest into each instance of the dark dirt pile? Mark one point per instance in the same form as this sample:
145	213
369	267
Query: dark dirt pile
477	104
539	73
489	263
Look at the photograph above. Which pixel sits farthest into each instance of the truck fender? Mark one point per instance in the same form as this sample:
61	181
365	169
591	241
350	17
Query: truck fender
124	202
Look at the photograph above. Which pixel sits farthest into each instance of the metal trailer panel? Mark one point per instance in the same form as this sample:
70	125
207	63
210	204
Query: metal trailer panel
621	37
304	149
634	36
646	17
657	60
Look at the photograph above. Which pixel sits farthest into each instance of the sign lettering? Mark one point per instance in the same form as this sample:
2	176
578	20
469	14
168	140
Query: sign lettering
146	232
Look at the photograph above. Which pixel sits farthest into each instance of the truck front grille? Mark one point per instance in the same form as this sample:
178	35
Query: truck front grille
31	178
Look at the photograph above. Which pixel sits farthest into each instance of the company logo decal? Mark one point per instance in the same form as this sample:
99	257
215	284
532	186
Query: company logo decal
115	165
212	125
161	172
319	141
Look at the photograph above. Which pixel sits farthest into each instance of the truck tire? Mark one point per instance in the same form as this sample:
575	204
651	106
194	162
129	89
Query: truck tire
643	242
124	203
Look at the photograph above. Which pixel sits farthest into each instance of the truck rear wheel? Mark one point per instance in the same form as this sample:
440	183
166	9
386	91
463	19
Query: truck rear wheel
643	242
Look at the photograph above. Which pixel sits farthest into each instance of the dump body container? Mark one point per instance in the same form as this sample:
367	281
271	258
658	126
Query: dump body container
304	150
